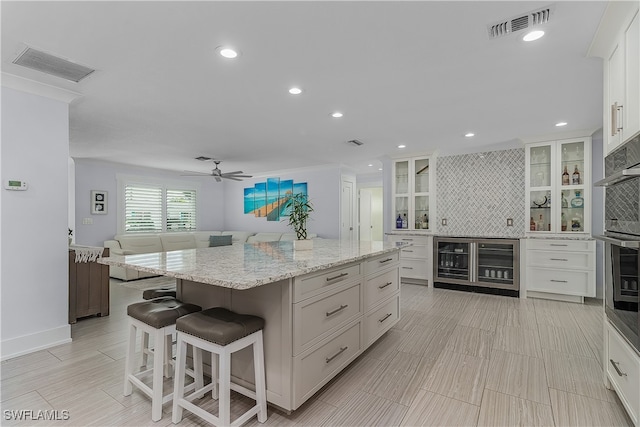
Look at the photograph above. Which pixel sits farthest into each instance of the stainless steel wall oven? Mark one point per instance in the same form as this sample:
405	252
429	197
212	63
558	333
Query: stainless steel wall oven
622	239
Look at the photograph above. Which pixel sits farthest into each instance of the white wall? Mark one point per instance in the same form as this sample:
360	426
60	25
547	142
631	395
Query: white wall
324	192
100	175
34	278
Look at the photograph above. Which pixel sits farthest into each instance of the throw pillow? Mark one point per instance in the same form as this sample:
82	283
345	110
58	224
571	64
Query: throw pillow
220	240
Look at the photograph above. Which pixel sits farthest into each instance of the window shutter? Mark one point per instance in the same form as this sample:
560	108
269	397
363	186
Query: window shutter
143	209
181	210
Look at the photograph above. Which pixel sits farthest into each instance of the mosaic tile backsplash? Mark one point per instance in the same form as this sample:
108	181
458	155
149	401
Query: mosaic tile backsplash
477	194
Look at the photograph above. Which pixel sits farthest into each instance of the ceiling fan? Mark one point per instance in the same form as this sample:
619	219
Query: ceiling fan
218	175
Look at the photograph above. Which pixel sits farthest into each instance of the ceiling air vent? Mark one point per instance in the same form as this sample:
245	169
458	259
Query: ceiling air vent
518	23
203	158
53	65
355	142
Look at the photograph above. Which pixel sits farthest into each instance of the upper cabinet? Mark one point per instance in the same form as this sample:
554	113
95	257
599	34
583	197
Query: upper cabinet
413	193
558	187
618	42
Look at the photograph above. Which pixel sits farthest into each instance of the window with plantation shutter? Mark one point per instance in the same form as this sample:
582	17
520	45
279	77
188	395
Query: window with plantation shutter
181	210
142	209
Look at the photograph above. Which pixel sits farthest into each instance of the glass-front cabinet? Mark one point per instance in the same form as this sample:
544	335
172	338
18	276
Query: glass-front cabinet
413	195
558	190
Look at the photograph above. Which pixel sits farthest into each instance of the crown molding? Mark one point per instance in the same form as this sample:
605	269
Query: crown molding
36	88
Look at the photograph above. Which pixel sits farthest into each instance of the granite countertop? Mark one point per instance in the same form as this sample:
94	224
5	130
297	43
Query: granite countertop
245	266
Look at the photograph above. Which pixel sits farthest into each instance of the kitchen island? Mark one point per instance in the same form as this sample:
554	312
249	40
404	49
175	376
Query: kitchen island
322	307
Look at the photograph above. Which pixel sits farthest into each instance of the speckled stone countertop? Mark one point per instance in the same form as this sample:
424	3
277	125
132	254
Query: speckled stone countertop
245	266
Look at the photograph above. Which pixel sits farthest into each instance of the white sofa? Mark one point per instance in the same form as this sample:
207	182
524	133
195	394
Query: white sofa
123	244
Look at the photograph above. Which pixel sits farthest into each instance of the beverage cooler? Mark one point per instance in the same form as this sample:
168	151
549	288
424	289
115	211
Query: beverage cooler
479	265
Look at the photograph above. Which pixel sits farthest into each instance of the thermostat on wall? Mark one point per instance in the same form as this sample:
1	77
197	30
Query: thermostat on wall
14	184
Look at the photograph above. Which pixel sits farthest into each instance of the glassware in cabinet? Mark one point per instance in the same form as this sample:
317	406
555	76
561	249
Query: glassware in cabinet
540	166
421	175
402	212
421	212
402	177
540	217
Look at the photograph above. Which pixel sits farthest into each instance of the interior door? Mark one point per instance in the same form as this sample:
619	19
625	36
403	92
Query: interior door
365	214
346	214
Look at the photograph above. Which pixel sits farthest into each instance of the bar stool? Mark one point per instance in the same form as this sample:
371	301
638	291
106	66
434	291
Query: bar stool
157	317
149	294
221	332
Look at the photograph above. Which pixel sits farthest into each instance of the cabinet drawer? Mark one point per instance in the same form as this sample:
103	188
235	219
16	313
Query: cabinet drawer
317	316
381	262
312	284
415	251
560	245
381	319
564	259
627	381
380	287
416	240
413	268
317	366
579	283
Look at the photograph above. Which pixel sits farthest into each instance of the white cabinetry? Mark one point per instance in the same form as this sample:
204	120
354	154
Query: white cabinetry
558	187
561	269
622	85
415	260
622	367
412	190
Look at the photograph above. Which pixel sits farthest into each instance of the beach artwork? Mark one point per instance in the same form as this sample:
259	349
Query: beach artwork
268	199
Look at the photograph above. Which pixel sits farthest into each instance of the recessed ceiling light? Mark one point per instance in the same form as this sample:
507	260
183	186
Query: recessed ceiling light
336	115
227	52
379	169
295	91
370	165
533	35
469	134
402	146
561	124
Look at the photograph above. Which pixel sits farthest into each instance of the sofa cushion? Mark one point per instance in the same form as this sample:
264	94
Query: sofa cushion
202	238
220	240
264	237
238	236
141	244
177	241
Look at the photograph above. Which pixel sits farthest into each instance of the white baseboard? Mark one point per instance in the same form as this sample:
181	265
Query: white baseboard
25	344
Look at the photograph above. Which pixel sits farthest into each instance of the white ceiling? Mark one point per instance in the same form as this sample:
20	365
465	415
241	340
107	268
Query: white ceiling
416	73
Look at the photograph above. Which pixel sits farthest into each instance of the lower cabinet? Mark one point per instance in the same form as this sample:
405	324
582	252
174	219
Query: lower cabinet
561	269
88	288
415	260
622	367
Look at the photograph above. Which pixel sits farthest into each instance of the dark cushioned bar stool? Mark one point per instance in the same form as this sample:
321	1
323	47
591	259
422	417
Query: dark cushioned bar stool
221	332
158	318
168	291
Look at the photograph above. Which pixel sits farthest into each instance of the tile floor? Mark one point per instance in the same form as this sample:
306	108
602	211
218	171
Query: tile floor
454	359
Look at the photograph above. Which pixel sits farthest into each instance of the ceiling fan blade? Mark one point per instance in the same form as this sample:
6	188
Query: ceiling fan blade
218	179
232	173
231	177
192	173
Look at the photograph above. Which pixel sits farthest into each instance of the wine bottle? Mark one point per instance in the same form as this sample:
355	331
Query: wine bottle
540	224
577	201
565	176
564	222
405	222
575	178
532	225
399	222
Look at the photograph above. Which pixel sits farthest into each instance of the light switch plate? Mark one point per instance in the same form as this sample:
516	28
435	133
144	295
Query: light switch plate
444	221
509	222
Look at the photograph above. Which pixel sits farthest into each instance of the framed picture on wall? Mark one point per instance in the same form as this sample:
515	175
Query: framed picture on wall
98	202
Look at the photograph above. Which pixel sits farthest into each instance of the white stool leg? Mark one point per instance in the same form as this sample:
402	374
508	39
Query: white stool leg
198	371
131	354
258	367
215	375
145	348
158	362
168	355
224	383
178	381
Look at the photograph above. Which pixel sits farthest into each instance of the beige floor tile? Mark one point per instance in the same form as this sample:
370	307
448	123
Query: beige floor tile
499	409
517	340
409	319
419	341
399	379
518	375
564	340
471	341
365	409
480	319
554	313
15	412
348	382
517	318
574	410
575	374
486	302
387	345
437	322
459	376
430	409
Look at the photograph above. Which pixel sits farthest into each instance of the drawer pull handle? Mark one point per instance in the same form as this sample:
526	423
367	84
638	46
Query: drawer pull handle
406	250
558	259
342	350
559	281
385	317
615	366
386	260
332	312
408	240
385	285
337	277
408	268
557	244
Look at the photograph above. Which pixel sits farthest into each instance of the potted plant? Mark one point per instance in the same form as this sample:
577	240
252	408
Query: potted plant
299	208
